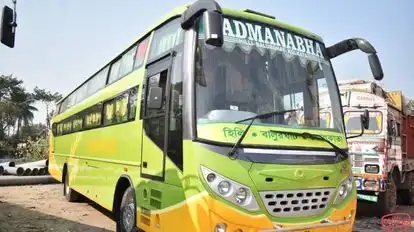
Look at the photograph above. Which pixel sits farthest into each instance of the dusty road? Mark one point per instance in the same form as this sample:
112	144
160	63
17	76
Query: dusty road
43	208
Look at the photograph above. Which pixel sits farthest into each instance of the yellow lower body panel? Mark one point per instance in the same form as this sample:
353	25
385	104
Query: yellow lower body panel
202	213
53	168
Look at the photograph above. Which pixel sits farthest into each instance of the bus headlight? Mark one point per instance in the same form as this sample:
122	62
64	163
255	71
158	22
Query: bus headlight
224	187
345	189
241	195
230	190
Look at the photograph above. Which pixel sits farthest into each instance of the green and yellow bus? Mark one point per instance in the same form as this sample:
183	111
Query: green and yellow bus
194	127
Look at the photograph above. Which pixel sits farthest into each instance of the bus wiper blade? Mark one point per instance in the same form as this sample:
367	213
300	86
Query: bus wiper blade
265	115
315	136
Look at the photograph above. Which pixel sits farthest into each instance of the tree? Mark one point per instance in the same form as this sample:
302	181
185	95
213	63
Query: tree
16	115
23	102
47	98
9	86
16	105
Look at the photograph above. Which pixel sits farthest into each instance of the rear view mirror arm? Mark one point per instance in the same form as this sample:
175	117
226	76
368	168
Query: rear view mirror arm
363	45
196	10
349	45
362	130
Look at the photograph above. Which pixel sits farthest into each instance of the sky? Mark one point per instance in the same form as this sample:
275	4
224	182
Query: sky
59	43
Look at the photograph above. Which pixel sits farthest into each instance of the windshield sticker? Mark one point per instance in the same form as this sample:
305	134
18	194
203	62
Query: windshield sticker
272	38
265	135
275	136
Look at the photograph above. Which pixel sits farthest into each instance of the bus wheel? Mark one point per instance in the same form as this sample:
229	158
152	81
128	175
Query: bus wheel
70	194
127	219
388	200
407	195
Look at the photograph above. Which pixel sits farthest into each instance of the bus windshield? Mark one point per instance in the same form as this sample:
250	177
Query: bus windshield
262	68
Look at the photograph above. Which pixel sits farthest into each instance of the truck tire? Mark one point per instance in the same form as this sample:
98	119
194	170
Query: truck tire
387	201
127	219
70	194
407	195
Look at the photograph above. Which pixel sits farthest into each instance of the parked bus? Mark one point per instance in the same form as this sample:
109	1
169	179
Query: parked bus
192	128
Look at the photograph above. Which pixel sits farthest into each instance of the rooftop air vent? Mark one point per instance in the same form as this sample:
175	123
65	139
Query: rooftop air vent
259	13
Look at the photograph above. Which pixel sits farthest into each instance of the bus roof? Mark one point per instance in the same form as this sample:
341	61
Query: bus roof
181	9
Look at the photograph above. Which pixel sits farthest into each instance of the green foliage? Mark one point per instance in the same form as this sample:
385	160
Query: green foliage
17	132
7	149
16	105
33	131
33	149
47	98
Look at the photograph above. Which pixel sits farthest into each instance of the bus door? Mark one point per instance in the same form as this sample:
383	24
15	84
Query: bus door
155	120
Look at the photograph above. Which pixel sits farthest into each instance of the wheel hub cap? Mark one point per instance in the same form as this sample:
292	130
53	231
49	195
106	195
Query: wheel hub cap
128	217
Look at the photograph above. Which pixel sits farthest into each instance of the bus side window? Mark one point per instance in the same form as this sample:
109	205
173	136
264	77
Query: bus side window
132	103
155	122
175	137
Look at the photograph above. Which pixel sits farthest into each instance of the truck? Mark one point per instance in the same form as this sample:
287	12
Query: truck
383	157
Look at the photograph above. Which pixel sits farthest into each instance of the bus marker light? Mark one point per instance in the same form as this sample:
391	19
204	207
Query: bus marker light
221	227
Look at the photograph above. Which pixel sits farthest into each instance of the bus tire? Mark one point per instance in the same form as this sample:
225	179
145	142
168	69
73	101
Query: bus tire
70	194
387	201
127	219
407	195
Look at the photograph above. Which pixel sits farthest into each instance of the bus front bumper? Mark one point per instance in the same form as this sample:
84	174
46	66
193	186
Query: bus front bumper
329	225
207	214
224	220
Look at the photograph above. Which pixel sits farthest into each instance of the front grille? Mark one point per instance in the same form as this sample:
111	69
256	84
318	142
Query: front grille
371	160
357	158
358	164
297	203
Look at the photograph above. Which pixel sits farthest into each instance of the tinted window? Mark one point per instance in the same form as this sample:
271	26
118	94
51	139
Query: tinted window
113	75
77	123
132	103
93	116
165	39
97	82
155	124
121	108
140	55
127	62
175	137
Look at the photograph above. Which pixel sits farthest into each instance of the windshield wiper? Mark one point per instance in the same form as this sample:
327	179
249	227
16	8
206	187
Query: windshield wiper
265	115
315	136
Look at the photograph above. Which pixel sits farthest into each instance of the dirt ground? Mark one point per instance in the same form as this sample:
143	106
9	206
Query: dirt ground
41	208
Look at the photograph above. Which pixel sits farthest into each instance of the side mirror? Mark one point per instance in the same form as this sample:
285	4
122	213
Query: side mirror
155	98
365	119
391	129
364	124
376	68
8	25
213	28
